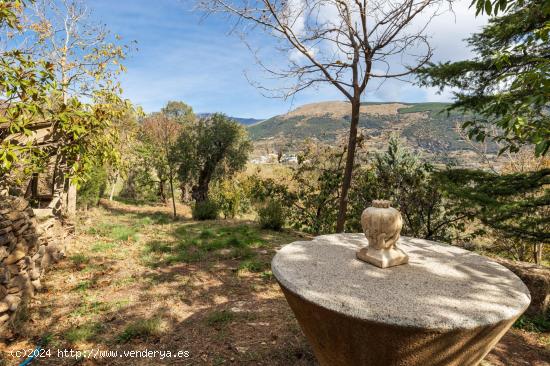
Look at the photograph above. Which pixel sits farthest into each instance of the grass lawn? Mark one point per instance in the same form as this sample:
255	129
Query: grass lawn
133	279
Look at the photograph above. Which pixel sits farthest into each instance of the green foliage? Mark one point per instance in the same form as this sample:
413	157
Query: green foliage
213	148
401	177
271	216
515	205
9	13
310	199
537	324
93	187
317	178
493	7
231	196
26	84
153	168
205	210
507	86
42	122
179	111
141	183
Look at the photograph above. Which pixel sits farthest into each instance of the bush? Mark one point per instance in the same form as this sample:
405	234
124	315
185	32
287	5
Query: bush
271	216
231	197
206	210
92	189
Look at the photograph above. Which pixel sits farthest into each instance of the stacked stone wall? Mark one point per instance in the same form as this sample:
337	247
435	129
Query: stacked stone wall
537	280
28	246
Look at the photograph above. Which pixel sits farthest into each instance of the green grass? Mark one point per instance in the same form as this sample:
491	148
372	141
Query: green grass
253	266
102	247
83	333
157	246
79	259
220	318
207	233
143	328
83	286
115	231
123	233
194	243
242	253
90	307
267	275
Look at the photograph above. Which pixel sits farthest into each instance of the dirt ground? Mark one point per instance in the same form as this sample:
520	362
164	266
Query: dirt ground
134	280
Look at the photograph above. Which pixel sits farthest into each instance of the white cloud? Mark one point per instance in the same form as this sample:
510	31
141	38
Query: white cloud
183	58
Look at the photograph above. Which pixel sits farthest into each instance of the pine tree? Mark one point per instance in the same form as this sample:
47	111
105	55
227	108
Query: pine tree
515	206
507	85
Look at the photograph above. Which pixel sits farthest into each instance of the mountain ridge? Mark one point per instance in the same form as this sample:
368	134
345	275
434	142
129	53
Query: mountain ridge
424	127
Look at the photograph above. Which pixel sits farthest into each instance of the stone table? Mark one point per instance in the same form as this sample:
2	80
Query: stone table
448	306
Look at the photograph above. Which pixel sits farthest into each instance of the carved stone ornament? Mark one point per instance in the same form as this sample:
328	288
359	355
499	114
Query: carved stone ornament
382	225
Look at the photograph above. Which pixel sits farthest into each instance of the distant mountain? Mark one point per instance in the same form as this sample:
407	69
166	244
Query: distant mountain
425	127
247	121
243	121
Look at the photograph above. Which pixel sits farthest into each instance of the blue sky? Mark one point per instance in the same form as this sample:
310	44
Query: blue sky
183	56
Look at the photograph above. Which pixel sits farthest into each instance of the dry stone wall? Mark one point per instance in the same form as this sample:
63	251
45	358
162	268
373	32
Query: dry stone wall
28	246
537	280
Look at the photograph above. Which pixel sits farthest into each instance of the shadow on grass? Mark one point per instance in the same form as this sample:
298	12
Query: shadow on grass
204	241
220	334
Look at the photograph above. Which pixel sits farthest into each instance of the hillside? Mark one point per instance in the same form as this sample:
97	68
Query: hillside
425	127
241	120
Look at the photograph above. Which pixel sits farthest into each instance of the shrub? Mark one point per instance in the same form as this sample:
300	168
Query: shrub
92	189
271	216
206	210
231	196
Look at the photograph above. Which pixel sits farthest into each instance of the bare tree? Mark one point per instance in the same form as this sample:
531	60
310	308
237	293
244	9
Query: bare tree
345	43
162	132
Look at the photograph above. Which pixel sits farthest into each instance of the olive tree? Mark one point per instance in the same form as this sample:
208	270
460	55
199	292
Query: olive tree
212	148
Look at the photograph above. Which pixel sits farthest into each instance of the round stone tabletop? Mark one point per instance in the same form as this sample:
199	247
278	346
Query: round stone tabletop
442	287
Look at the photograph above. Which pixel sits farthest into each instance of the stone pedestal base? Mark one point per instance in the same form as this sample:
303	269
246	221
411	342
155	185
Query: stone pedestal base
383	258
340	340
447	307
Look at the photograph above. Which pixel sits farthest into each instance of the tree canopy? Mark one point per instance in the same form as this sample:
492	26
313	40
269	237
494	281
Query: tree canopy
216	146
507	84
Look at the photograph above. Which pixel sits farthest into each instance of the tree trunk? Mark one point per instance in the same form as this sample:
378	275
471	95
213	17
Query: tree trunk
350	160
538	253
71	199
58	188
200	190
161	194
173	197
185	196
113	184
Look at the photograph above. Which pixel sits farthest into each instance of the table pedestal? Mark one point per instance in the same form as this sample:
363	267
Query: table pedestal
446	307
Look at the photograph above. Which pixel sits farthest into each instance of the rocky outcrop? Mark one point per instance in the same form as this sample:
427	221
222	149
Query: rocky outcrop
537	280
28	246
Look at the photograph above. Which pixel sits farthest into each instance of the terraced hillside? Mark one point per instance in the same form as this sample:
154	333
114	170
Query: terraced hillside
425	127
